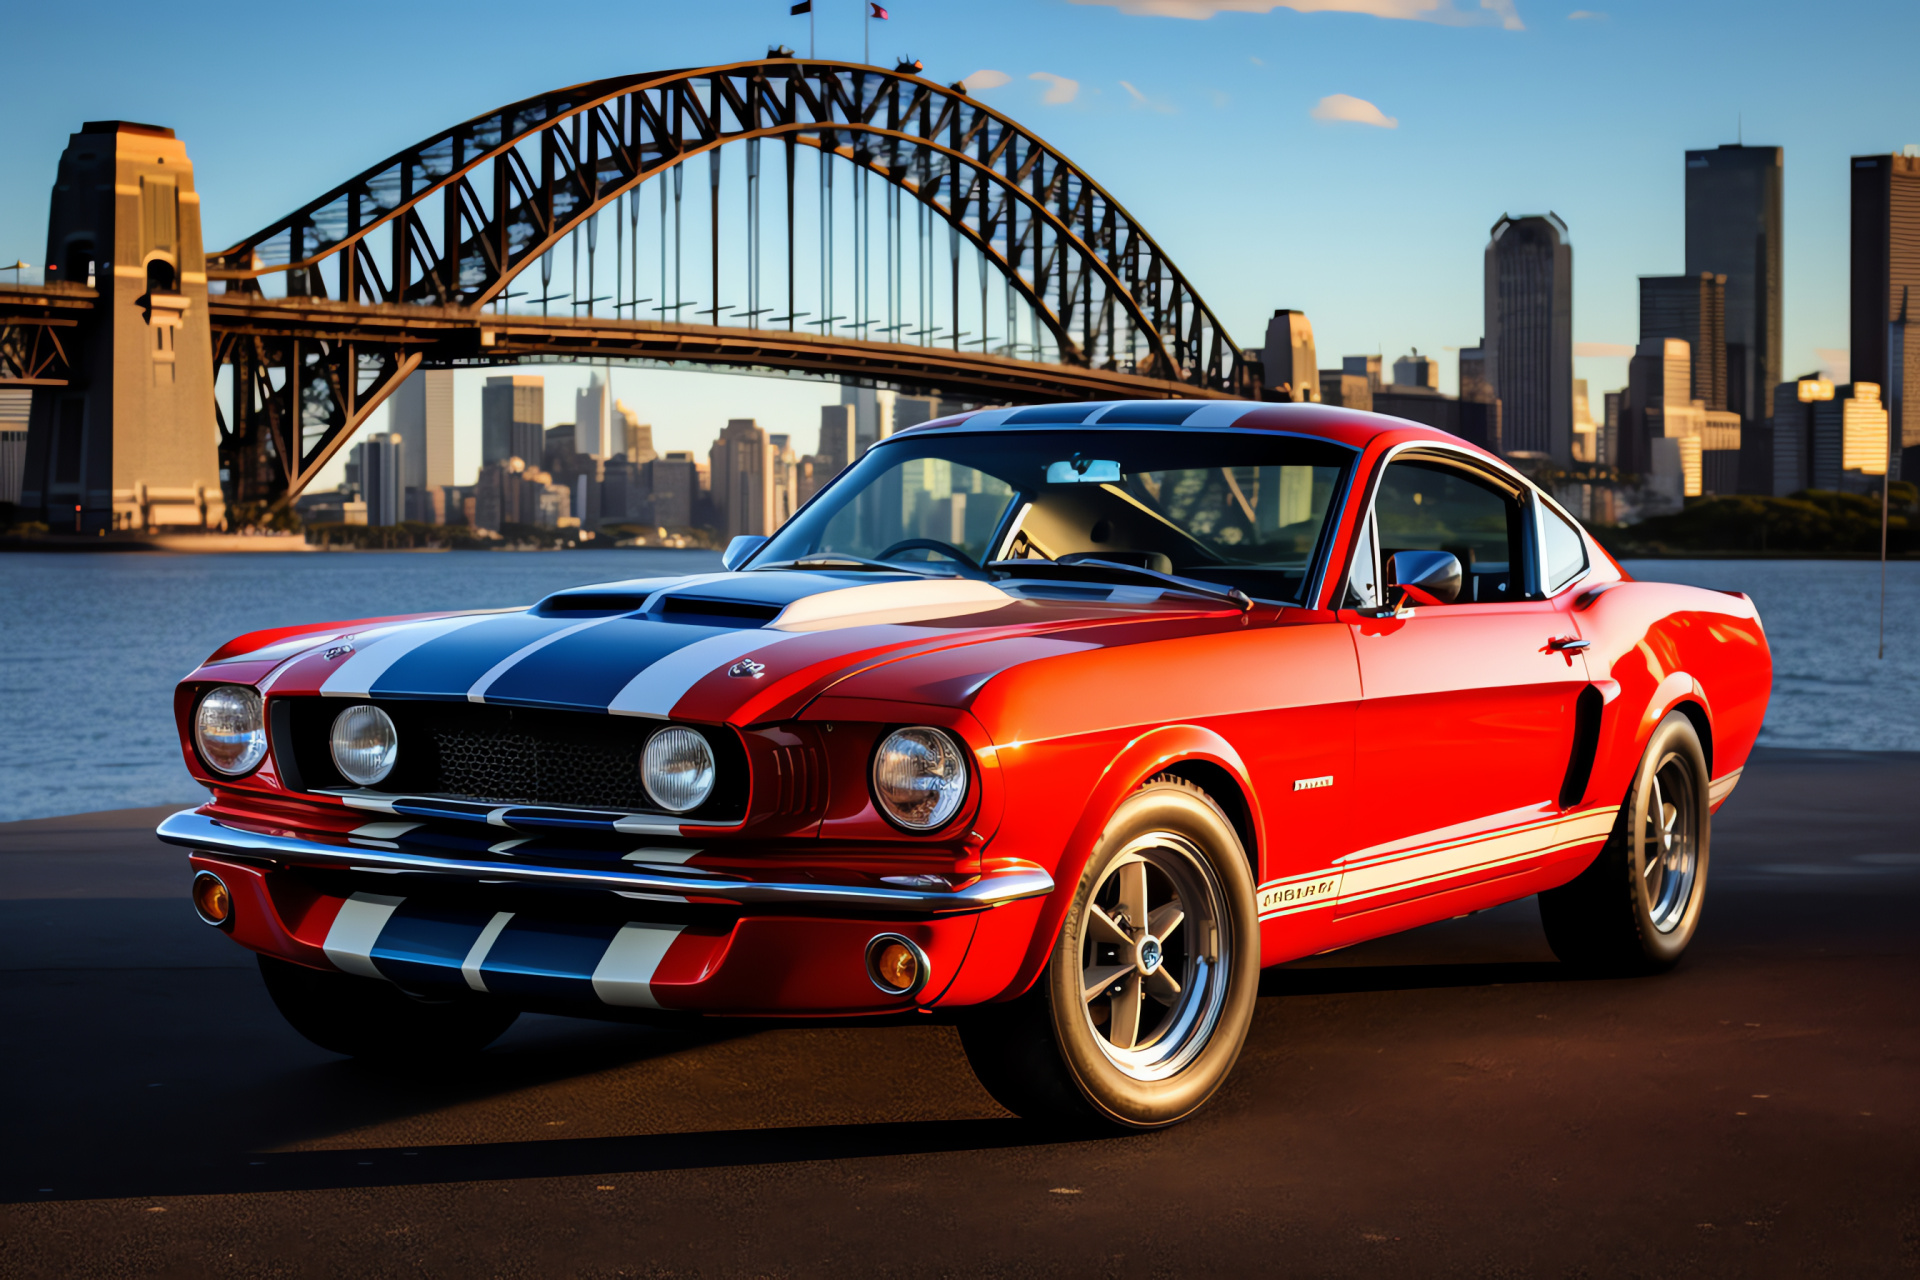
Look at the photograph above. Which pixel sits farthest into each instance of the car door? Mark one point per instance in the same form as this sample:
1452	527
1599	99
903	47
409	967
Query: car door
1467	710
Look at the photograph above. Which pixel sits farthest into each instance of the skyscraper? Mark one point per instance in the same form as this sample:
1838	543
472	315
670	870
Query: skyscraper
1886	287
1288	359
1692	309
593	420
1733	229
743	479
1529	334
513	419
839	437
423	418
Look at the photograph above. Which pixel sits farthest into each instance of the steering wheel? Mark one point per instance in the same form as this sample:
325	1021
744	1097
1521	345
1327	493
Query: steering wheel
971	567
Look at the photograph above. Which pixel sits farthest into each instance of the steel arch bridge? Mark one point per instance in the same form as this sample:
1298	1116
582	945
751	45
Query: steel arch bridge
413	261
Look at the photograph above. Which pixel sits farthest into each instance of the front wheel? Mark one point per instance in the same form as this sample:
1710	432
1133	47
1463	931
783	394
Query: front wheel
367	1018
1149	992
1637	907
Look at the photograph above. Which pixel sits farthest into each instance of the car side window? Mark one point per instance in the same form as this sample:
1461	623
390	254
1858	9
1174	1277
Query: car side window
1563	550
1363	590
1431	506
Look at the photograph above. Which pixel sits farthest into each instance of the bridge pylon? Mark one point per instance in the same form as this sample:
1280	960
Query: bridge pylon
131	442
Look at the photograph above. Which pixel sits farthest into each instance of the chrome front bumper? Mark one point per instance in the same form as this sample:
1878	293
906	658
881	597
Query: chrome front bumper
197	831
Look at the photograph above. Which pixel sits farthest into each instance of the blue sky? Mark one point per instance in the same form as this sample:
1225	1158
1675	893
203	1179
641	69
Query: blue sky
1199	115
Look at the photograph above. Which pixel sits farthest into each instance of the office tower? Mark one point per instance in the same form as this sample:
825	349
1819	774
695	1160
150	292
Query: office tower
673	488
513	417
1733	229
1792	431
1849	445
636	437
786	478
1660	406
1529	334
511	492
1474	383
1288	360
1693	309
423	417
743	480
872	412
379	464
911	411
1607	454
1886	288
1585	431
1348	390
839	437
16	405
1367	367
1417	370
592	419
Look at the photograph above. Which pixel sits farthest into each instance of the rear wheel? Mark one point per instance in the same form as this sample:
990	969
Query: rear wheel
1147	997
367	1018
1637	907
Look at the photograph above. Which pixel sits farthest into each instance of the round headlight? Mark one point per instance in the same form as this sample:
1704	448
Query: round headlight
919	778
365	744
677	767
230	730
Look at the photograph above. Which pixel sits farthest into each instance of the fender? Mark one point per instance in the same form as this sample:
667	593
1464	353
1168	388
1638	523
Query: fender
1152	752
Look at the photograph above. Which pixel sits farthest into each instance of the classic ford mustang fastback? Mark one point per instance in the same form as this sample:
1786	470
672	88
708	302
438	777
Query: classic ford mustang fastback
1059	722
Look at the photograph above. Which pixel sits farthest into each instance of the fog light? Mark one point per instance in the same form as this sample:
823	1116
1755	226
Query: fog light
211	899
896	965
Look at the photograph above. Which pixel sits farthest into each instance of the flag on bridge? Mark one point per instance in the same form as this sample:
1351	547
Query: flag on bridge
805	6
876	11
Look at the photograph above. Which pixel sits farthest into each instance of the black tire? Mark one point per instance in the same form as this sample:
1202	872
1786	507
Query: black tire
1157	1050
367	1018
1637	907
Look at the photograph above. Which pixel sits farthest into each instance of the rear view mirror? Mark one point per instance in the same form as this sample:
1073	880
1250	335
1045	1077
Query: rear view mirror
740	550
1078	470
1423	577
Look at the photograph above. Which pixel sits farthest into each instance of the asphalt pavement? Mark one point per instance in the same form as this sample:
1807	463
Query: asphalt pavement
1448	1102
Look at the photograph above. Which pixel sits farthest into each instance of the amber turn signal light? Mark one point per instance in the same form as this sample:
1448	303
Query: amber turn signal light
896	965
212	900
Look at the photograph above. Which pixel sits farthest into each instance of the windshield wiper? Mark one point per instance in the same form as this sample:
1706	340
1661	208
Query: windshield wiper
1113	570
858	564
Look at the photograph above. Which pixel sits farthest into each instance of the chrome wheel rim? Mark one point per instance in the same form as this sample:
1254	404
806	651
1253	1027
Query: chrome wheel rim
1154	956
1669	847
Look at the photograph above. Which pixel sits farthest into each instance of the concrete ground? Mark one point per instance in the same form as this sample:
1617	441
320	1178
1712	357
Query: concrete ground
1446	1102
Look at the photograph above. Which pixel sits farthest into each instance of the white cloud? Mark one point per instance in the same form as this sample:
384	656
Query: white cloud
1346	108
1142	100
1498	12
1059	88
1616	350
986	78
1586	15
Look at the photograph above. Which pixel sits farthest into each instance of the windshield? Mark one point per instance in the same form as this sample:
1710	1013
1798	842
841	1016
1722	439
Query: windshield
1234	508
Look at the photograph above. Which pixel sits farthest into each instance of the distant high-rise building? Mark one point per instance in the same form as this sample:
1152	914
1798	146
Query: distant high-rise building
673	487
511	492
872	412
593	419
911	411
1886	291
1660	406
1288	358
381	462
839	437
1348	390
1733	229
635	438
1792	432
1693	309
423	418
1849	440
1586	432
743	480
1607	453
1529	333
513	419
1367	367
16	404
1417	370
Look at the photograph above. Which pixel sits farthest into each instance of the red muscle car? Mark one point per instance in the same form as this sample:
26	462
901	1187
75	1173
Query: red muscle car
1060	722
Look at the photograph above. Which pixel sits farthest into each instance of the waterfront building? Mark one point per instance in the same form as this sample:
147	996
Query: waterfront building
1849	440
595	432
422	417
1416	370
1886	291
1607	445
16	406
839	437
1791	426
378	464
1348	390
512	418
1528	341
1585	430
673	490
1734	230
1288	361
1367	367
511	492
1693	309
743	484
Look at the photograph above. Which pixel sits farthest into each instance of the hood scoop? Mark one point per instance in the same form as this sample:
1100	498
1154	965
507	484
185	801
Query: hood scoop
589	603
717	613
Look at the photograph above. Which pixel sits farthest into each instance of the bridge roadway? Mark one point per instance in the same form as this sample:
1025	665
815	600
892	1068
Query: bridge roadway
1448	1102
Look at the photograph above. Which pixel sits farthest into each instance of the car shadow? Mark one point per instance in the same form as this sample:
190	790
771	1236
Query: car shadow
1354	979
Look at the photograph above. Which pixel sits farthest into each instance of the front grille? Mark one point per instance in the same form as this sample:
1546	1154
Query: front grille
797	780
512	755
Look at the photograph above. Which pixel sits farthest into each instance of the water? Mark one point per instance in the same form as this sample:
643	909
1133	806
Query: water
91	645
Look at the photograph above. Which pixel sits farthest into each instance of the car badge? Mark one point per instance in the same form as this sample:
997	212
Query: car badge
748	667
338	651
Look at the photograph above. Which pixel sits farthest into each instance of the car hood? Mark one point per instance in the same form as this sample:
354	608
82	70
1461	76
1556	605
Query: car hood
722	647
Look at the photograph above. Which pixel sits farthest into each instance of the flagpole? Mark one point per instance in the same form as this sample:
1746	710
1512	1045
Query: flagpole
866	37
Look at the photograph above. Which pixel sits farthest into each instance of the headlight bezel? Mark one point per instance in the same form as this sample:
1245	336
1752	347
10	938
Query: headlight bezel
256	750
364	710
942	817
658	743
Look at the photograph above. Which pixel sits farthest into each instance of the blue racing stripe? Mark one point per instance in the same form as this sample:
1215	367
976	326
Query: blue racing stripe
549	959
422	946
587	669
449	666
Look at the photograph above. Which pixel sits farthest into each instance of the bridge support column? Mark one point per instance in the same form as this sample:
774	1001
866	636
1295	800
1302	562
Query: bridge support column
132	443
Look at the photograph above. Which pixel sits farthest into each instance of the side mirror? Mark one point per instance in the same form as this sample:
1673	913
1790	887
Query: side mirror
741	550
1423	577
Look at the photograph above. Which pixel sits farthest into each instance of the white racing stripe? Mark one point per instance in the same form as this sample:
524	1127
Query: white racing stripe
356	676
625	972
477	954
478	692
1453	858
655	690
350	940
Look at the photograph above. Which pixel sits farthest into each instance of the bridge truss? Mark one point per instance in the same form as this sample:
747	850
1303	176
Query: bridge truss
415	260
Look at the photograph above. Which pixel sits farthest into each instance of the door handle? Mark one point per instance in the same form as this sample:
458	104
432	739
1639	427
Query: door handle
1567	644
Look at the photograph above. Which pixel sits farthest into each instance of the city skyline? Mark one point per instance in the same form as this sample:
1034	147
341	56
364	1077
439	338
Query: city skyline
1118	87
